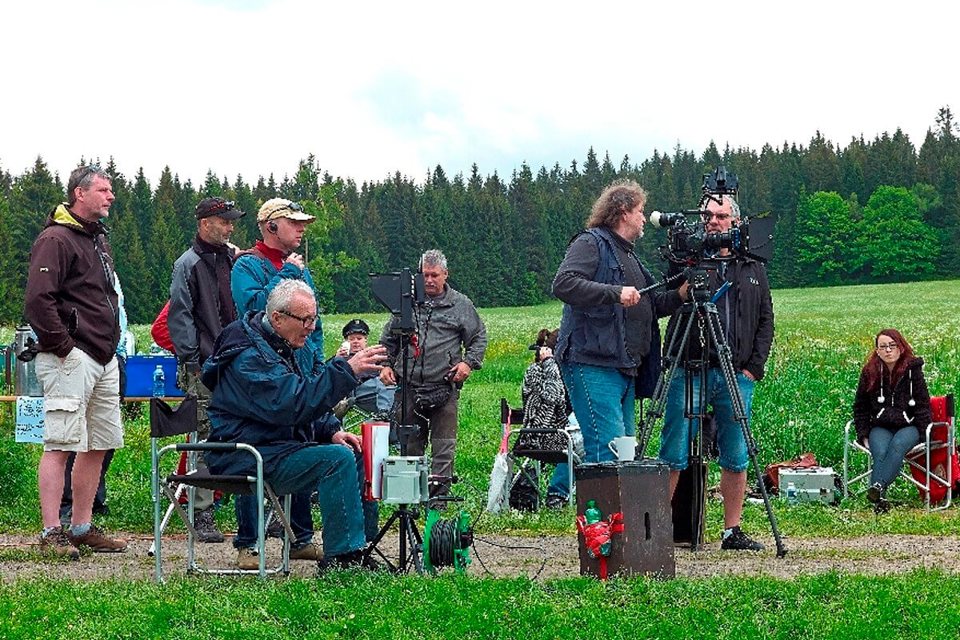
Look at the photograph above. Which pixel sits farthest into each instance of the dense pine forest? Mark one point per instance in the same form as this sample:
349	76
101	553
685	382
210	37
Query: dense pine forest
865	212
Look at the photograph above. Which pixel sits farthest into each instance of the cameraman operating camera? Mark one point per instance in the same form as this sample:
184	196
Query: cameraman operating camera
745	311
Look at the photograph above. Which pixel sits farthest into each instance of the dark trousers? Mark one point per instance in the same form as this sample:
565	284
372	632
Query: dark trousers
439	425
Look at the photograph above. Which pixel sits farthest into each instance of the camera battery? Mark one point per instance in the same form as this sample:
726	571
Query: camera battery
813	484
405	480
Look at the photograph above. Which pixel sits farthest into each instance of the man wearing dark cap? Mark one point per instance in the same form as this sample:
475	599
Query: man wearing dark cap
201	305
355	335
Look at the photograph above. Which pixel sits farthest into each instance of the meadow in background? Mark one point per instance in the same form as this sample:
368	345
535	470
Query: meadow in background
822	338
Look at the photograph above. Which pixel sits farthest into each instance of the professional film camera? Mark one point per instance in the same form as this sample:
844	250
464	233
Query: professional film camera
694	254
688	242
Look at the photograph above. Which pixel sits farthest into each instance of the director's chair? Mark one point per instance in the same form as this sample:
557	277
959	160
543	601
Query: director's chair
166	422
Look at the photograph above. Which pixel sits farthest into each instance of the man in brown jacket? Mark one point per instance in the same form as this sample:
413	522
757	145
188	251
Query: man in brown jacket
72	306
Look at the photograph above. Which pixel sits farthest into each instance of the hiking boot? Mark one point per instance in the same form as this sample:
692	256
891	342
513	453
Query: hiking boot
57	543
248	559
309	551
98	541
875	492
555	501
739	541
206	527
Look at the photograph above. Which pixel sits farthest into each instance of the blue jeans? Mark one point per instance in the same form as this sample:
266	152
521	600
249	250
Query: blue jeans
888	449
679	431
560	481
604	403
332	470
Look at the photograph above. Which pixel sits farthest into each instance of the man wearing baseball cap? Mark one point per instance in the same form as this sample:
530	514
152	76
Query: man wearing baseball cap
256	273
201	305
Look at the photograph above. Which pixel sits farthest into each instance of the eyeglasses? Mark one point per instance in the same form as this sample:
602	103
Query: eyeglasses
706	215
307	321
892	346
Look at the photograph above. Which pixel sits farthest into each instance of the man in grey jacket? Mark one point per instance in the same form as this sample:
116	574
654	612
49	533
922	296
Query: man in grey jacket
450	343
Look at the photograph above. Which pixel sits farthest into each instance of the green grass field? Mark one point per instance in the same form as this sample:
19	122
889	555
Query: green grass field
822	338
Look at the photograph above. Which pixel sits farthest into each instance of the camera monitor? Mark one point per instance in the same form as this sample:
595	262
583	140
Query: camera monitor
399	291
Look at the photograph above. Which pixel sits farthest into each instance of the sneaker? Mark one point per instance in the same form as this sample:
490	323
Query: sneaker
57	543
206	527
875	492
309	551
555	501
739	541
248	559
98	541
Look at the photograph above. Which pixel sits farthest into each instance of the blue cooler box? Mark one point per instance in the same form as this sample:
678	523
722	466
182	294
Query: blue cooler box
140	375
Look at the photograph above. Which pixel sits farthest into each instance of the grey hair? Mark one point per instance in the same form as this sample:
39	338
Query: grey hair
435	258
284	293
83	177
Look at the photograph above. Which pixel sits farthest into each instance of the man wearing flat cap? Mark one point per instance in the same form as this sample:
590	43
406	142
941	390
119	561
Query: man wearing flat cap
201	305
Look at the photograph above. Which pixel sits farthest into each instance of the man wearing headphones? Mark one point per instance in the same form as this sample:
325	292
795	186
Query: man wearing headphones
256	272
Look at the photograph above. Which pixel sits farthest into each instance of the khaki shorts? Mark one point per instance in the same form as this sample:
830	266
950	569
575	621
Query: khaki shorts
81	402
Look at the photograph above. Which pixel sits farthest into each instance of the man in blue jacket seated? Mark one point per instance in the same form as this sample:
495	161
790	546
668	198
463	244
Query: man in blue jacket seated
260	396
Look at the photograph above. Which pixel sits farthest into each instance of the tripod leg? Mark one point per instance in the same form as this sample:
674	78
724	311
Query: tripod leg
739	414
659	400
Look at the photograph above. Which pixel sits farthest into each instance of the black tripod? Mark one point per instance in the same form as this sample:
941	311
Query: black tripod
702	310
411	541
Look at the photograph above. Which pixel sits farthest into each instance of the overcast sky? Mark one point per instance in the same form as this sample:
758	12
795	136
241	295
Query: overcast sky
253	86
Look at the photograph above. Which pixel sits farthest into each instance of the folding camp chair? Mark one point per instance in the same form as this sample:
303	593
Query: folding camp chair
165	422
930	466
538	454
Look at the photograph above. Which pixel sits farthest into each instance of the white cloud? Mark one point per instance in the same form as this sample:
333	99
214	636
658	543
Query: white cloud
373	88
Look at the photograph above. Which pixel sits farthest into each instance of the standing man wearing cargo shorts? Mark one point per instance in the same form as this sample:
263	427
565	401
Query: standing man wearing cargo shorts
71	303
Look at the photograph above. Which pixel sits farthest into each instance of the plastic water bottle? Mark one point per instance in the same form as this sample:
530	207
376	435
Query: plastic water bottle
158	382
592	515
791	493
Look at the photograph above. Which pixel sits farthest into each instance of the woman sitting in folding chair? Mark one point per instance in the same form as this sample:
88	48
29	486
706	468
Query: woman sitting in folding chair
892	405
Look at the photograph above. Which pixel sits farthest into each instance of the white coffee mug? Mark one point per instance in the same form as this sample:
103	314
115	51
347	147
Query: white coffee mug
624	447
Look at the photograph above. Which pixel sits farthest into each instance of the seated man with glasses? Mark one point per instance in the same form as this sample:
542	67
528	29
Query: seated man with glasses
256	273
745	311
262	396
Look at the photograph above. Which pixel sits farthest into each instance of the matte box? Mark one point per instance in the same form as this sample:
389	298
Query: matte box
140	376
813	484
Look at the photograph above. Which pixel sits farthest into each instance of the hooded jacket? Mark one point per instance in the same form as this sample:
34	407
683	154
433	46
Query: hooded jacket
71	300
895	411
262	397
